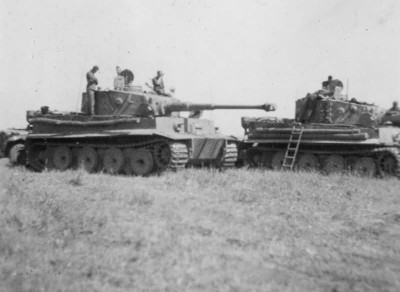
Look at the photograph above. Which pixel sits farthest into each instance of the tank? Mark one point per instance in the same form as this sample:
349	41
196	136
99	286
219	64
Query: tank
12	145
132	132
328	134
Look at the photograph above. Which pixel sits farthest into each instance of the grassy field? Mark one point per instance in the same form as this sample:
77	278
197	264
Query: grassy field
198	230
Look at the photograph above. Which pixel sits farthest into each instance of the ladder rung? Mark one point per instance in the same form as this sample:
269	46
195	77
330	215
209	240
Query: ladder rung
293	146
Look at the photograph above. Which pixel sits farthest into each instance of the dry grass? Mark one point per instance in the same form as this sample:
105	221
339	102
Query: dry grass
198	230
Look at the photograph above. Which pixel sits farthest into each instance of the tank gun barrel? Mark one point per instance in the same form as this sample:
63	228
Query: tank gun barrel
184	107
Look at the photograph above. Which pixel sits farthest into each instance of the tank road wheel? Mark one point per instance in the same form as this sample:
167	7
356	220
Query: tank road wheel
307	162
113	160
141	161
36	158
16	153
162	156
334	164
349	163
253	157
266	159
387	164
88	159
365	166
62	158
127	166
48	157
277	160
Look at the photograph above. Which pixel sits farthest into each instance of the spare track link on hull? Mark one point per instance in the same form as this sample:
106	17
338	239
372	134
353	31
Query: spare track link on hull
230	155
174	156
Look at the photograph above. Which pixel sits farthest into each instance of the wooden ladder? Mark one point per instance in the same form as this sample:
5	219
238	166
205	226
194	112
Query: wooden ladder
293	146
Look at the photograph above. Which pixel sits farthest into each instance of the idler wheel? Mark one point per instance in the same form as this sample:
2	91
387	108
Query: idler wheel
113	160
277	160
88	159
16	153
334	164
141	161
162	156
307	162
62	158
365	166
36	157
387	164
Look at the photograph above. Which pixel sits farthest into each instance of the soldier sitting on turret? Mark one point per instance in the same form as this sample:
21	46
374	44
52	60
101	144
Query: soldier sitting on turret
331	89
327	83
395	107
158	84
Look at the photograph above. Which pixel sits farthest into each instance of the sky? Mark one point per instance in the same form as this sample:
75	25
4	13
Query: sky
240	52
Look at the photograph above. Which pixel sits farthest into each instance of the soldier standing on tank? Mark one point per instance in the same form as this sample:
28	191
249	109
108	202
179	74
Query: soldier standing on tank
327	83
119	80
158	84
91	87
395	107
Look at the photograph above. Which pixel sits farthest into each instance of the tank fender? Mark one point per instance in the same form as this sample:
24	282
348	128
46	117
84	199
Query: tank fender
12	141
16	138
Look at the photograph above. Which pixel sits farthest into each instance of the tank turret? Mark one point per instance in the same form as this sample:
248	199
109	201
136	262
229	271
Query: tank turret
316	109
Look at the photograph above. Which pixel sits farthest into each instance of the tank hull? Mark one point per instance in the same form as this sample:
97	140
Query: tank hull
127	145
370	151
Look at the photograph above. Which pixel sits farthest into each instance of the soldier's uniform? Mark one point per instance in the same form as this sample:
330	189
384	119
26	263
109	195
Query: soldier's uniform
158	84
91	87
395	107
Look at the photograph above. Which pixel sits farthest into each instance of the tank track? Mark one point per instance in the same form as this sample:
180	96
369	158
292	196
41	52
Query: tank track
382	156
179	154
392	151
230	155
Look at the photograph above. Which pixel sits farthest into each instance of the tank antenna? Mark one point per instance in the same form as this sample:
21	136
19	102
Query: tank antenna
347	89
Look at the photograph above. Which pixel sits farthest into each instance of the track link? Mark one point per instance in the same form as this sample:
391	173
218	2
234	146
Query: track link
230	155
179	155
179	152
387	159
